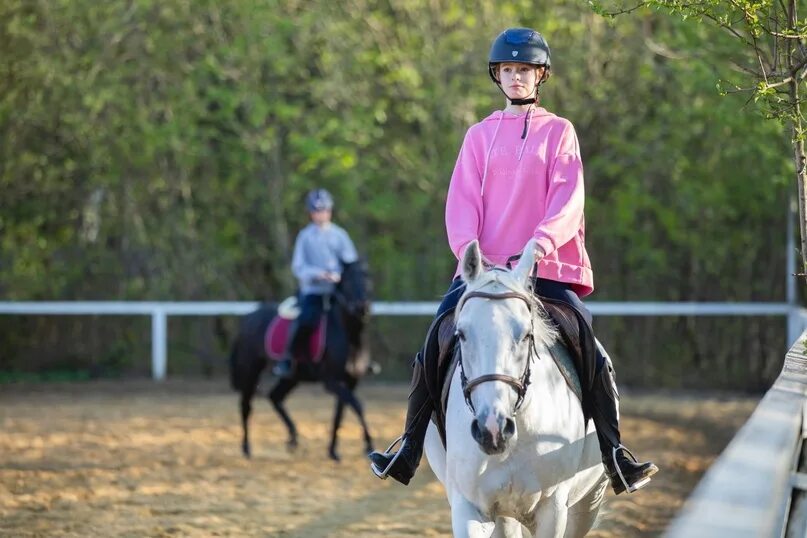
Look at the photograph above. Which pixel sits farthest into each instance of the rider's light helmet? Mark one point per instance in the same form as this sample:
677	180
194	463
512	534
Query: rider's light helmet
318	200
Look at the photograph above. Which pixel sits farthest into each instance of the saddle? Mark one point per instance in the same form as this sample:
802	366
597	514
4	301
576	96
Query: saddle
279	331
574	355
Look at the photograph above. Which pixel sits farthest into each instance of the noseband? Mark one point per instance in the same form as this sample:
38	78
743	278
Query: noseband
518	384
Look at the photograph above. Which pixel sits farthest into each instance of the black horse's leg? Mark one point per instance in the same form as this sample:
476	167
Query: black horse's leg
337	422
277	395
359	409
247	391
345	393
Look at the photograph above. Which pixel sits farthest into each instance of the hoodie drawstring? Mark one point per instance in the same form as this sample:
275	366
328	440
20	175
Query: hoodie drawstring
526	134
487	155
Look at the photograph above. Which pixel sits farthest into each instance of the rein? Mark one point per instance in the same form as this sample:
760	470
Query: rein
518	384
342	300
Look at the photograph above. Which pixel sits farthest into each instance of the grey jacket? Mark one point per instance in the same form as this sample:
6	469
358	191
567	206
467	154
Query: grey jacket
319	249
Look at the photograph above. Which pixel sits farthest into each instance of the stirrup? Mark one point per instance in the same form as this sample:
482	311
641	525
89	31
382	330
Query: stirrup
639	483
384	474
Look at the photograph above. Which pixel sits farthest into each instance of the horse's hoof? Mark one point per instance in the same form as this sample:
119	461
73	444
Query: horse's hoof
334	455
292	444
368	447
245	450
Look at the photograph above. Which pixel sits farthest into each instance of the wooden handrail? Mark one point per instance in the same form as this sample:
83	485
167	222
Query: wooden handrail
747	492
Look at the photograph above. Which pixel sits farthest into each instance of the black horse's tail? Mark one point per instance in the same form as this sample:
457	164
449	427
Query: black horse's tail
246	359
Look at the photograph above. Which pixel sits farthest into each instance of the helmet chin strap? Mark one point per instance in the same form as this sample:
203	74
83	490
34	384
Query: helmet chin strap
526	100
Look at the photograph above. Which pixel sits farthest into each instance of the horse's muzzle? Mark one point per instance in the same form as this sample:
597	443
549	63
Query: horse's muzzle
492	432
360	309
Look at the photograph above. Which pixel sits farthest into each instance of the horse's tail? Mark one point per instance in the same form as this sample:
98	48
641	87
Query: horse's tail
246	360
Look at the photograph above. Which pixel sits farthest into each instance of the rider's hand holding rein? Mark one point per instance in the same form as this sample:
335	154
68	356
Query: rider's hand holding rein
330	276
539	253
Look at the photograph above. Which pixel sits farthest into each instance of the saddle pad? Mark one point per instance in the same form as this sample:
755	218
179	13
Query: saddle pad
563	360
277	335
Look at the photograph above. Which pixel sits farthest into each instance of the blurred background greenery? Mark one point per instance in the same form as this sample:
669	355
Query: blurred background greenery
161	150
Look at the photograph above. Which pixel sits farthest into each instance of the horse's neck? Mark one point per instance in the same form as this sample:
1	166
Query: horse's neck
352	326
548	394
354	329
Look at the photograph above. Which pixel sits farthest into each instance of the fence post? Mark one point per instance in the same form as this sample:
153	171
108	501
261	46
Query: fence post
796	324
159	330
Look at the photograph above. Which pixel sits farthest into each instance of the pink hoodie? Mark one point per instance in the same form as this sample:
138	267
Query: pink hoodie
506	190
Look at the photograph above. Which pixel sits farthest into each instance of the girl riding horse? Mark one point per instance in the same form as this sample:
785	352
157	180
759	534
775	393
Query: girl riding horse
519	175
319	252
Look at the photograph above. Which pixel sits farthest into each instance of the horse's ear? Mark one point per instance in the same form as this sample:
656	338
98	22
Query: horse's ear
525	263
471	262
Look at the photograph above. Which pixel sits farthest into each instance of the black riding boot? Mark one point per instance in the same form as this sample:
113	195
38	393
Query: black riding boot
625	473
283	367
401	465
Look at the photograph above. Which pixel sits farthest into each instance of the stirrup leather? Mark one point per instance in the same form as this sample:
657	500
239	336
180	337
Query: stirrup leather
384	474
629	488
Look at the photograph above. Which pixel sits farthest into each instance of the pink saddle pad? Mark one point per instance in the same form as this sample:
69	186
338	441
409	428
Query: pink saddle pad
277	335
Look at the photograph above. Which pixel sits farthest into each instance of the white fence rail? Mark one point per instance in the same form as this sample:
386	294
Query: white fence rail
756	488
159	312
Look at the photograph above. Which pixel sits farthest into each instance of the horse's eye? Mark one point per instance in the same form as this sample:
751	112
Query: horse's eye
459	334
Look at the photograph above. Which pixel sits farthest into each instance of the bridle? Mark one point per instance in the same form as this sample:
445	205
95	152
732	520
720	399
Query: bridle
351	307
518	384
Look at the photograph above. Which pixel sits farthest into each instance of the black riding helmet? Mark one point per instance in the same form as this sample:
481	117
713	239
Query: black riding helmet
519	45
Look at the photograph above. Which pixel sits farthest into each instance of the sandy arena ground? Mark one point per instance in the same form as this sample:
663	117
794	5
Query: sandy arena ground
135	459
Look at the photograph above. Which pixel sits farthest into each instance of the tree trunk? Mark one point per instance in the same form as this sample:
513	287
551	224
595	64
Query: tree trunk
801	176
278	230
797	133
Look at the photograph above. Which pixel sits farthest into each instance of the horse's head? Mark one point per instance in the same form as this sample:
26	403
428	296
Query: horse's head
499	326
353	290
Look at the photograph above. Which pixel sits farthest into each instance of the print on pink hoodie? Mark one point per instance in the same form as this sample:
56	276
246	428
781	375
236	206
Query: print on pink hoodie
506	190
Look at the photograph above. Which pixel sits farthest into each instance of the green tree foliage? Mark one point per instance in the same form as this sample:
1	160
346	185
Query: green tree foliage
760	49
161	150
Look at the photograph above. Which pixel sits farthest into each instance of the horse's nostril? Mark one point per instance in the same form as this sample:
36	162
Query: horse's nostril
475	431
509	428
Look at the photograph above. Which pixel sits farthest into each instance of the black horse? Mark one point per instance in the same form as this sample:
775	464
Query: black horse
344	362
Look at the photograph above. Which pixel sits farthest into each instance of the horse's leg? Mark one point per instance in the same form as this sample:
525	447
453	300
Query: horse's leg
277	395
583	514
337	421
507	527
345	394
551	516
247	391
368	440
467	521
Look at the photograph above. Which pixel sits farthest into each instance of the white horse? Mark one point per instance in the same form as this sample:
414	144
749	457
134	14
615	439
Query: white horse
518	451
